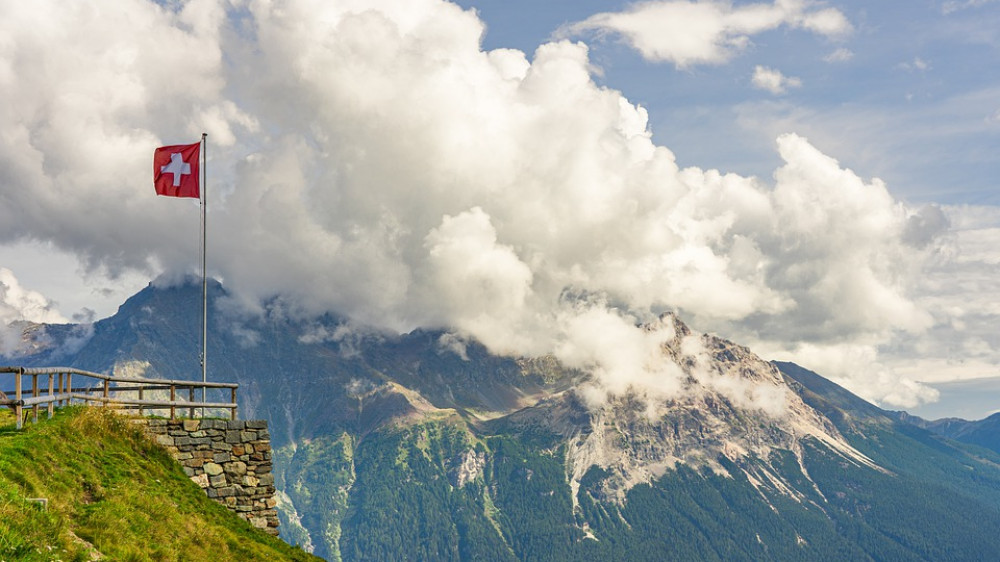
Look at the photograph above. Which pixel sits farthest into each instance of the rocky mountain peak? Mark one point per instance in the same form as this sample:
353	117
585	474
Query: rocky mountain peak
733	405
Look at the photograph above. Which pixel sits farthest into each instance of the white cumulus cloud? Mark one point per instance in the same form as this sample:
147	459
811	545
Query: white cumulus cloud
773	80
687	33
372	160
19	305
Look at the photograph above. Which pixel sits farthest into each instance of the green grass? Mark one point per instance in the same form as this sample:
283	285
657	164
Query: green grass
112	492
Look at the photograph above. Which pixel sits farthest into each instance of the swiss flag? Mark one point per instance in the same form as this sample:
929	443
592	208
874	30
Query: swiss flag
175	170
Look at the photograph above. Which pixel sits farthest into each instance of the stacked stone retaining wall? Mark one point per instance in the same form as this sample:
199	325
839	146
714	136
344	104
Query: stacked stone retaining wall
230	460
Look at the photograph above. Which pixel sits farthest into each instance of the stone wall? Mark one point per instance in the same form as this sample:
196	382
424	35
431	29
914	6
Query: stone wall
230	460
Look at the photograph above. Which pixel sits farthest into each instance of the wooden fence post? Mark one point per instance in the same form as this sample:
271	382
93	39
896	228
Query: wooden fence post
52	404
18	408
173	399
232	400
140	399
34	394
191	399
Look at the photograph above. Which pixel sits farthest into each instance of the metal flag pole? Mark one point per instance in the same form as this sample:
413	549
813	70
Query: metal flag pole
204	268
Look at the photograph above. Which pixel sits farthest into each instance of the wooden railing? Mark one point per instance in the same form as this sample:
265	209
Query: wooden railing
57	389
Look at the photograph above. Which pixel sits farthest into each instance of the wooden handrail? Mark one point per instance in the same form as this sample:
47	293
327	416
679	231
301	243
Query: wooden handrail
72	371
104	392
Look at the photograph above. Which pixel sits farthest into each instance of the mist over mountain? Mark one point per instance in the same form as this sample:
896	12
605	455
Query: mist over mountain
427	446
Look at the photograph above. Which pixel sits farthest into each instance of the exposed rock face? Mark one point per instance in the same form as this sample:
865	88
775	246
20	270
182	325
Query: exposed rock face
466	468
733	405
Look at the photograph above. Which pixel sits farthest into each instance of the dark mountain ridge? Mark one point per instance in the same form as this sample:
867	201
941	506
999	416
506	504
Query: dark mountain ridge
984	432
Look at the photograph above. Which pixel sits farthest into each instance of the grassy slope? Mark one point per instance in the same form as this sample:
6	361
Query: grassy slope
111	492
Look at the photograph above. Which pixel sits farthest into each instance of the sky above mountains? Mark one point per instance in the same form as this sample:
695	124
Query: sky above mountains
902	91
817	180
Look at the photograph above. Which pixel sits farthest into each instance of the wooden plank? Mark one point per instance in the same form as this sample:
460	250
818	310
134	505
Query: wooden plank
159	403
68	370
45	399
132	402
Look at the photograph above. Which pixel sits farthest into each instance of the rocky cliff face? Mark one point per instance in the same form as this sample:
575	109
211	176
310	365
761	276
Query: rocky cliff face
733	405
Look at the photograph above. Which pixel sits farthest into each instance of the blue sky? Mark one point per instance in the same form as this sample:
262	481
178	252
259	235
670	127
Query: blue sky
915	103
817	180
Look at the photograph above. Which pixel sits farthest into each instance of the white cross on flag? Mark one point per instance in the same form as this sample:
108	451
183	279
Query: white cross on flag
175	170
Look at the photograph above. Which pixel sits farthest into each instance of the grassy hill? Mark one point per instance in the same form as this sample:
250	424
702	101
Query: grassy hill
111	493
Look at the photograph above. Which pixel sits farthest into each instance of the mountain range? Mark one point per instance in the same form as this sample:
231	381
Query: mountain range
427	446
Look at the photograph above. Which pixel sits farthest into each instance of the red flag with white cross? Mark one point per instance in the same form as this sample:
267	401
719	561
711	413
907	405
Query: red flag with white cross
175	170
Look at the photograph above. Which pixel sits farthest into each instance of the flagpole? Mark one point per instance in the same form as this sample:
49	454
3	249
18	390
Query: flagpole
204	268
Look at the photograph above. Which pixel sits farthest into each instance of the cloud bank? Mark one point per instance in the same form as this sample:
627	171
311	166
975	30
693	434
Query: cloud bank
17	306
688	33
370	158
